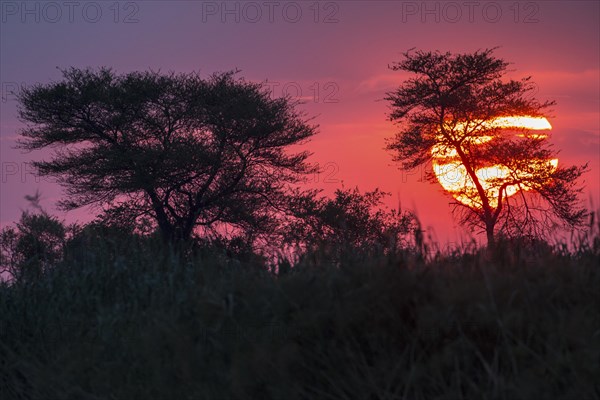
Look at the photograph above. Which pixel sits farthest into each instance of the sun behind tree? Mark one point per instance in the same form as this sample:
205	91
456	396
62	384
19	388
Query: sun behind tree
487	141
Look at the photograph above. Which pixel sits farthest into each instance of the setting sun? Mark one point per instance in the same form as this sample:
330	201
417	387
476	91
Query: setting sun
453	176
296	199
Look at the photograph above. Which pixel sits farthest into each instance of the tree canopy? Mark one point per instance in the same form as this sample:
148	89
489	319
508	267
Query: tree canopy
350	220
34	244
480	132
184	151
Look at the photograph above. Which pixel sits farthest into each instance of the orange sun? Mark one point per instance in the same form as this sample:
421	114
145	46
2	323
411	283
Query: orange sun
452	174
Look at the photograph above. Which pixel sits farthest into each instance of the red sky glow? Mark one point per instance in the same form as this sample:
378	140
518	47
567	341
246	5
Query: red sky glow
332	55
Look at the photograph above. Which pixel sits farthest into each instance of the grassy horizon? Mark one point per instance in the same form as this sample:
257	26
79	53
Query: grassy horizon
129	320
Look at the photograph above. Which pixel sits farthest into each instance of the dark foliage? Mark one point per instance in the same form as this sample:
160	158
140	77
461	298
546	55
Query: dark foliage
189	154
132	319
443	110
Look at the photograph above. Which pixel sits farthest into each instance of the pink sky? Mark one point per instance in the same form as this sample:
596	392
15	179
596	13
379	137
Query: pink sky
339	49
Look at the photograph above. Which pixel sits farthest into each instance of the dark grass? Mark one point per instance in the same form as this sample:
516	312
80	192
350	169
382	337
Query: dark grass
129	320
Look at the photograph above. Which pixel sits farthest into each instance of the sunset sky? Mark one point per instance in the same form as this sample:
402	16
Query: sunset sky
334	55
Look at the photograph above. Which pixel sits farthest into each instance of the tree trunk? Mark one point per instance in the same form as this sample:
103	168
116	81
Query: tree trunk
491	241
166	233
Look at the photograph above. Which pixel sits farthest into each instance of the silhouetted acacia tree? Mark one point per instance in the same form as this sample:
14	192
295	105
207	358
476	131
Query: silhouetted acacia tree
33	245
185	151
350	220
450	108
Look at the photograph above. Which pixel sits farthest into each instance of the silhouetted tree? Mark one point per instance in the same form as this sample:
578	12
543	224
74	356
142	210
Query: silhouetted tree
351	220
33	245
185	151
453	113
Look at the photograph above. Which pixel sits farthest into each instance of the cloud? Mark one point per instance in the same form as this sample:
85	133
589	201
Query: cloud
578	142
567	84
382	82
